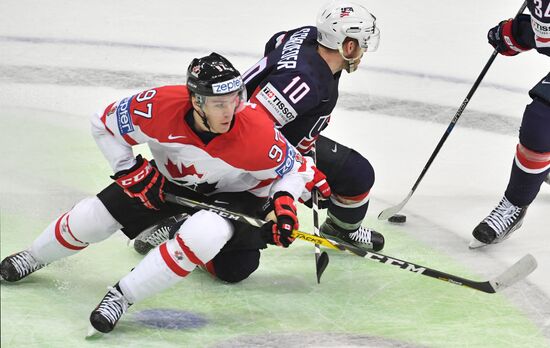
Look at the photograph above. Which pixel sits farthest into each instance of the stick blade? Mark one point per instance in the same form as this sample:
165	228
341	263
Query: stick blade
322	263
389	212
515	273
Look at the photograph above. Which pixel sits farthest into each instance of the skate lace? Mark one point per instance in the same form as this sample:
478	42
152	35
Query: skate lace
159	236
504	215
113	305
362	235
25	263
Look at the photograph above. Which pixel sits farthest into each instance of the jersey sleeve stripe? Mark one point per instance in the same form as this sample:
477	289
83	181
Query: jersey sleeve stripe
104	118
129	140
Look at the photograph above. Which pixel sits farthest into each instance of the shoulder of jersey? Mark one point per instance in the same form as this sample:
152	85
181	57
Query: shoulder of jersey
167	108
256	132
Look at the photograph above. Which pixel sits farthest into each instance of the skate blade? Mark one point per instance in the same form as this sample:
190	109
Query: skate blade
476	244
93	333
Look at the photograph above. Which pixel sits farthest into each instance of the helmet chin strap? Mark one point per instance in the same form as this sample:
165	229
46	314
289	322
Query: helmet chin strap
202	115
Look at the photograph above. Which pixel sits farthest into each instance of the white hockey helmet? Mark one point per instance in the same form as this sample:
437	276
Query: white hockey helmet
339	19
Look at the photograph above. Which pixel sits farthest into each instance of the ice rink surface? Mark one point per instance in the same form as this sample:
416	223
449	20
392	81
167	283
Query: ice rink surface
62	60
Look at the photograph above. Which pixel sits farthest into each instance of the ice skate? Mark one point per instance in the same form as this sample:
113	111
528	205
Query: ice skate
364	238
159	233
499	225
107	313
19	265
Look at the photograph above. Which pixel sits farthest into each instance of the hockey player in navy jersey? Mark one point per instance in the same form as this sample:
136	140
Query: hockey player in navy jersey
297	84
531	163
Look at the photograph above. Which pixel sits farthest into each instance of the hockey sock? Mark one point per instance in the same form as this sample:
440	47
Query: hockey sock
528	173
198	240
88	222
348	212
163	267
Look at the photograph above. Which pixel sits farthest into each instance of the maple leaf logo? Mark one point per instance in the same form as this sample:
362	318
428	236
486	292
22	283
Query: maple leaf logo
175	171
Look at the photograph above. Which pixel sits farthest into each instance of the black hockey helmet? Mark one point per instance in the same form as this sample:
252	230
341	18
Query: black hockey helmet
213	75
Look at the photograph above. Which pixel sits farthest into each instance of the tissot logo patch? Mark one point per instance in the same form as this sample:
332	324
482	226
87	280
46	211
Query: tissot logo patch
276	104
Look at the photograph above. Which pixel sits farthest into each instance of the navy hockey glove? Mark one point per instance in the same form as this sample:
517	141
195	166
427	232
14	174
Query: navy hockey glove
319	183
280	233
503	40
142	181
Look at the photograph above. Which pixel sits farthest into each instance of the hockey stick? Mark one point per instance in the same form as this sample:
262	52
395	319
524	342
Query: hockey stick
321	259
515	273
388	212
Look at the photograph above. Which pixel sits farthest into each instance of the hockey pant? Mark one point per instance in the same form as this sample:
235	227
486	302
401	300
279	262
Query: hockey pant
350	176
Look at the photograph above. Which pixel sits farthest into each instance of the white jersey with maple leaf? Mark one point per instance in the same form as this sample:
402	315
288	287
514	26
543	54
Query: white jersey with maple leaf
253	156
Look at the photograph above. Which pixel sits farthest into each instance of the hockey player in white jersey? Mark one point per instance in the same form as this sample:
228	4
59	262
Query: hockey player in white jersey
208	145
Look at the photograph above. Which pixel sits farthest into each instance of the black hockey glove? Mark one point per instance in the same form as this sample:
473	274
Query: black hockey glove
280	233
503	38
142	181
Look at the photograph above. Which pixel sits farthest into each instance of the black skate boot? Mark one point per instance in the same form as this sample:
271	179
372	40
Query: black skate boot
159	233
107	313
499	225
19	265
364	238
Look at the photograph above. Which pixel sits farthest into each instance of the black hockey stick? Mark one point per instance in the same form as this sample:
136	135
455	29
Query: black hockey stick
388	212
513	274
321	259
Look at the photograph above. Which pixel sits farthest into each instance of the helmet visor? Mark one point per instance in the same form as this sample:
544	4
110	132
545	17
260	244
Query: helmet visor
234	101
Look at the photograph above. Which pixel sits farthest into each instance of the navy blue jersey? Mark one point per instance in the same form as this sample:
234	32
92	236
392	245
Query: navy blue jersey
294	85
533	31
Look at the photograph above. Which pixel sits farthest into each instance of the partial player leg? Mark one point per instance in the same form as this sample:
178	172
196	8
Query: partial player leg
158	233
530	168
350	177
197	241
88	222
234	266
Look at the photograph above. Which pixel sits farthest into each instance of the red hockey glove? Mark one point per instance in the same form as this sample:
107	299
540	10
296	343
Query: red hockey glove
319	183
287	221
143	181
502	39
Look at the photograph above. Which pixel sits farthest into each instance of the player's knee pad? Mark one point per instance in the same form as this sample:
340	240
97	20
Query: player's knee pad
87	222
354	181
534	133
236	265
203	235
